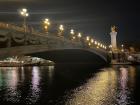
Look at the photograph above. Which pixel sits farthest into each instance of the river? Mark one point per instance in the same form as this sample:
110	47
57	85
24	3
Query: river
70	84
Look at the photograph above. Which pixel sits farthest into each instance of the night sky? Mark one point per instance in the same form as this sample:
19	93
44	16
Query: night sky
91	17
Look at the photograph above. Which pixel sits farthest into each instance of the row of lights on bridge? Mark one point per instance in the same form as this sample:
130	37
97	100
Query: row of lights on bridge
46	23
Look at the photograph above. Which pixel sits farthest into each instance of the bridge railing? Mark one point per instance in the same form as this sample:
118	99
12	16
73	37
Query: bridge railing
41	34
11	27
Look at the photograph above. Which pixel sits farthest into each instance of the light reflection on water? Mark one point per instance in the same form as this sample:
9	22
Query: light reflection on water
13	78
33	95
108	87
29	85
97	91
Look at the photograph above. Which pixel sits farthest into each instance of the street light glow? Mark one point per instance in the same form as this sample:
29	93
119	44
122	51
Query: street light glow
24	12
95	42
46	23
98	44
87	38
79	35
101	45
110	46
27	14
122	48
61	27
73	37
89	44
46	27
92	40
72	31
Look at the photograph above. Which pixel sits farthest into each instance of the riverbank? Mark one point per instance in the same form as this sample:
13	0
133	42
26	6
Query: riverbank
19	64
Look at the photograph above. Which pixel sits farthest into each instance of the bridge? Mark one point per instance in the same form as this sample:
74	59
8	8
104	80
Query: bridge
14	41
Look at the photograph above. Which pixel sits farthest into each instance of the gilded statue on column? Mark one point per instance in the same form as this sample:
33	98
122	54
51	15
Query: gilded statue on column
113	28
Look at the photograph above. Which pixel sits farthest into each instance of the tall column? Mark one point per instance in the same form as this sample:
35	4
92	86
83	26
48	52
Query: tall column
113	35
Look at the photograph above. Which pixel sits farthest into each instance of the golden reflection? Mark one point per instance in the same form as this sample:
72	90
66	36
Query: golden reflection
50	73
132	75
108	87
96	91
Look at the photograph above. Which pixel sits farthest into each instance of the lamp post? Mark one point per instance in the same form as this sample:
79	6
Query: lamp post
46	23
25	14
79	36
72	34
87	38
98	44
95	42
61	30
87	41
110	48
92	40
122	48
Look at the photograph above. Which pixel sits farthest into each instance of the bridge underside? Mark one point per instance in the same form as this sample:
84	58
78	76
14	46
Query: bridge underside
59	55
70	56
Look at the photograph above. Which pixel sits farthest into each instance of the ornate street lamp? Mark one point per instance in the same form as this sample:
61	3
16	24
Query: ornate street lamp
98	44
101	45
46	23
110	48
105	47
79	35
89	44
25	14
92	40
95	42
87	38
61	30
72	33
122	48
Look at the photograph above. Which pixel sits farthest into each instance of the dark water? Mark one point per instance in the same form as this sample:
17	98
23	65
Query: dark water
70	85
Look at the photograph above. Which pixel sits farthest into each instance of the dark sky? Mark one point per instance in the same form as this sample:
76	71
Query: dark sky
91	17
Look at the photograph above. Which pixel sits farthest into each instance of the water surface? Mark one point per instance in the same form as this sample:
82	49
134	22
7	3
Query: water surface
70	84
